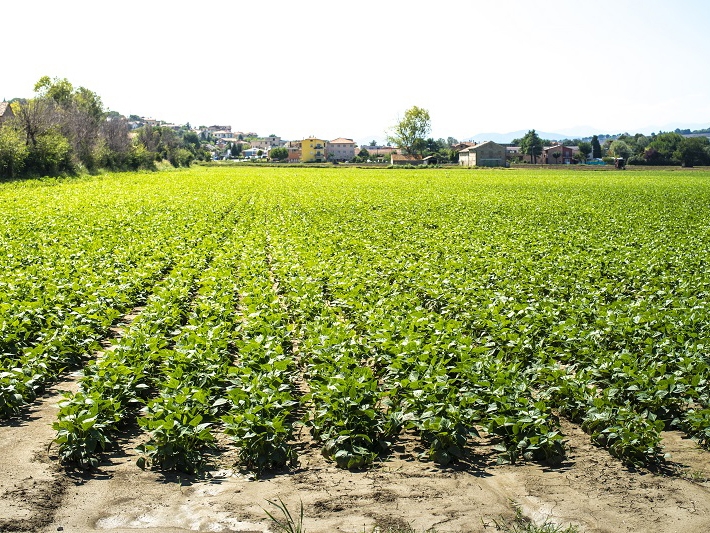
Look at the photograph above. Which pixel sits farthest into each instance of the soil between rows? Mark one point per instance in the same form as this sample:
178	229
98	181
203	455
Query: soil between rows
590	489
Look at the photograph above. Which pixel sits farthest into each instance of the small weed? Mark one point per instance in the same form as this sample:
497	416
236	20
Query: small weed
396	525
287	523
522	524
696	476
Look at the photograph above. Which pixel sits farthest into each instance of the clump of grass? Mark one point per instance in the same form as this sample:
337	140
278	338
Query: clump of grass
286	523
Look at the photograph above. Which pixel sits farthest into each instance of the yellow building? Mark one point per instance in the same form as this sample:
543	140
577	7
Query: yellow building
313	150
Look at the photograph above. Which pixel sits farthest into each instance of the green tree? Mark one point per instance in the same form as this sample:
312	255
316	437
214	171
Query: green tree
190	137
59	90
35	117
662	149
585	149
693	151
81	114
556	155
279	153
596	147
531	145
620	149
410	131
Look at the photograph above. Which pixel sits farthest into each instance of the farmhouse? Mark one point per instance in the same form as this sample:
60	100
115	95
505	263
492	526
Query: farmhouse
486	154
565	157
406	159
379	151
5	111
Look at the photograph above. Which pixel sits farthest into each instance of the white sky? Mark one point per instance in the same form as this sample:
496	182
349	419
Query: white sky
351	69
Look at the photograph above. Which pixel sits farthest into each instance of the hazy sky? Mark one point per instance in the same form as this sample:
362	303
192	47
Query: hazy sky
351	69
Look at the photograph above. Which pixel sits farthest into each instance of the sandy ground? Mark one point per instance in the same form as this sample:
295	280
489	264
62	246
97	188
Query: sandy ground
591	490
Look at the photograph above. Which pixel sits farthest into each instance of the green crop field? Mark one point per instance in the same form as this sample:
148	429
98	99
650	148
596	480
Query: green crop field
363	304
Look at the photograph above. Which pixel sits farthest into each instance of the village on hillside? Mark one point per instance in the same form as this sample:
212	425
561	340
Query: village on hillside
226	144
66	129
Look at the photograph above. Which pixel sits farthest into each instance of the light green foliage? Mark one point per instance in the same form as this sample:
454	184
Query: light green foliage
410	131
13	151
620	149
279	153
443	303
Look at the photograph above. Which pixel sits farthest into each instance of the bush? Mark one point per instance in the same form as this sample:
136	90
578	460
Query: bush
13	152
141	157
51	155
181	157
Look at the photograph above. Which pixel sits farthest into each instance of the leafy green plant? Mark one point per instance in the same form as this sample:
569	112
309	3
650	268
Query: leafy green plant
633	438
179	434
84	428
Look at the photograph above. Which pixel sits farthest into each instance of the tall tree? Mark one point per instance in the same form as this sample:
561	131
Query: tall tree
410	131
662	150
596	147
531	145
585	149
693	151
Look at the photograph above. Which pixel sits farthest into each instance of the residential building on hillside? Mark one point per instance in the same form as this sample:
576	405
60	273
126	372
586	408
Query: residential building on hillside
6	112
313	150
219	128
485	154
266	143
340	149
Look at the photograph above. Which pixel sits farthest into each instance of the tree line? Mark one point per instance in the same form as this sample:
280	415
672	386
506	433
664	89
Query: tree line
669	148
66	130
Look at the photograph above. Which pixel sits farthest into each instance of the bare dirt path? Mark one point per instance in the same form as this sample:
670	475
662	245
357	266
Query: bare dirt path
31	483
591	490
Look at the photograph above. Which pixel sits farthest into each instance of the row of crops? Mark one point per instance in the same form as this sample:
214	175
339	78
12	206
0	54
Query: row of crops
363	305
